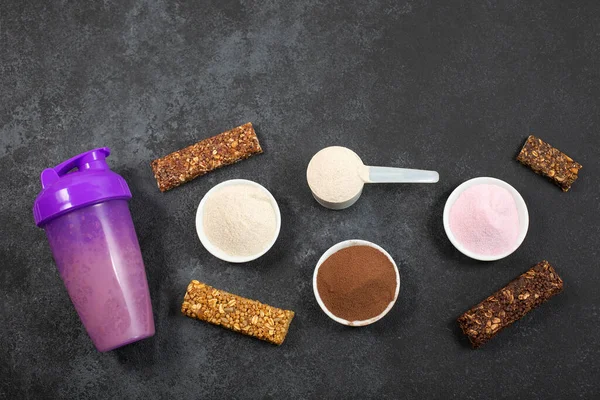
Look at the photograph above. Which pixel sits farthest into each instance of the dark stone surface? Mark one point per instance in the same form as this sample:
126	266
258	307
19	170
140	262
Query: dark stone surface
453	86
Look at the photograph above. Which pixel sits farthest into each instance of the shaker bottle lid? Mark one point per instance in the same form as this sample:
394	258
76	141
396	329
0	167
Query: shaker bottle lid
80	181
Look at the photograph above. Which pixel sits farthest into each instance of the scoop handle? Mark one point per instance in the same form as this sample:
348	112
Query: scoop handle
400	175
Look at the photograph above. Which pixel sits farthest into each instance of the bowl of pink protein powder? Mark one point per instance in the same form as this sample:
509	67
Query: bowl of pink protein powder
486	219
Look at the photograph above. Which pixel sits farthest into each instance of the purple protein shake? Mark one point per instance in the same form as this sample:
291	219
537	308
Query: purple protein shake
86	218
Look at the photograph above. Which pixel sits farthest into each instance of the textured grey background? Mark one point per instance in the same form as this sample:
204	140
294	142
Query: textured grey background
454	86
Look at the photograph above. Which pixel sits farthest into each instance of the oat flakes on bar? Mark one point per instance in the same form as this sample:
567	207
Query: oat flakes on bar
511	303
236	313
548	161
205	156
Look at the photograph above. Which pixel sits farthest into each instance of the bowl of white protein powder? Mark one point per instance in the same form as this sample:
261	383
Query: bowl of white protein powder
238	220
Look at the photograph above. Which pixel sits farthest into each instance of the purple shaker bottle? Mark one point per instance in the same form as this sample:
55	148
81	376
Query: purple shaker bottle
83	207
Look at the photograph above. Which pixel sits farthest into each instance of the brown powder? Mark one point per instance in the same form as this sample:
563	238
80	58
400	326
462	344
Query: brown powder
357	283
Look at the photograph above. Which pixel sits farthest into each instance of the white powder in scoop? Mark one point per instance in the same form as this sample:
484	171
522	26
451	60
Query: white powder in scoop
240	220
333	174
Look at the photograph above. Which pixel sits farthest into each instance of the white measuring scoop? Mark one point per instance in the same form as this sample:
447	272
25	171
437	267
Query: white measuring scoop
336	176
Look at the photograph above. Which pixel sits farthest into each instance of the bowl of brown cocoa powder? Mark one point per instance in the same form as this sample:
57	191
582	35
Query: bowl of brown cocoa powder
356	282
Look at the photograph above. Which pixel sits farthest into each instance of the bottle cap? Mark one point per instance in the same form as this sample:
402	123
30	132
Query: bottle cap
78	182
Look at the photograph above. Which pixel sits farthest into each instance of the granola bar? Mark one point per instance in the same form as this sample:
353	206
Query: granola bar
239	314
545	160
510	303
207	155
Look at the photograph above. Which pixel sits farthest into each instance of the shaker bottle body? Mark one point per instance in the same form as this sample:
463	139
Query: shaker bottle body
98	257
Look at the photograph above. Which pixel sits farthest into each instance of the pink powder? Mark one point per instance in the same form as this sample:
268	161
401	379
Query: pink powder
484	219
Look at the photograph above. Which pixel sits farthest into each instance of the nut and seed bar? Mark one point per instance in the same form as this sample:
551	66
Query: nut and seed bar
239	314
510	303
205	156
545	160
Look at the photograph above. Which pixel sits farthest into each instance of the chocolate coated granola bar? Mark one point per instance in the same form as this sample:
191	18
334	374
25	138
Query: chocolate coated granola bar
207	155
510	303
239	314
545	160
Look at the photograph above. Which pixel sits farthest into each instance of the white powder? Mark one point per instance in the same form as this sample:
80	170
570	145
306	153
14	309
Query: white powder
333	174
240	220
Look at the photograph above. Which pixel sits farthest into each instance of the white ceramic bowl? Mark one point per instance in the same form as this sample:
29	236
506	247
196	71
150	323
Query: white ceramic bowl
336	248
216	251
521	209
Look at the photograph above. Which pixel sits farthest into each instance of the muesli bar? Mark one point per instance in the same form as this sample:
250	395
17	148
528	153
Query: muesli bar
510	303
236	313
545	160
207	155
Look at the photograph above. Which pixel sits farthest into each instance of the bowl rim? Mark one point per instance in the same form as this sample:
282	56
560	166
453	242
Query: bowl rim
334	249
212	249
521	207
